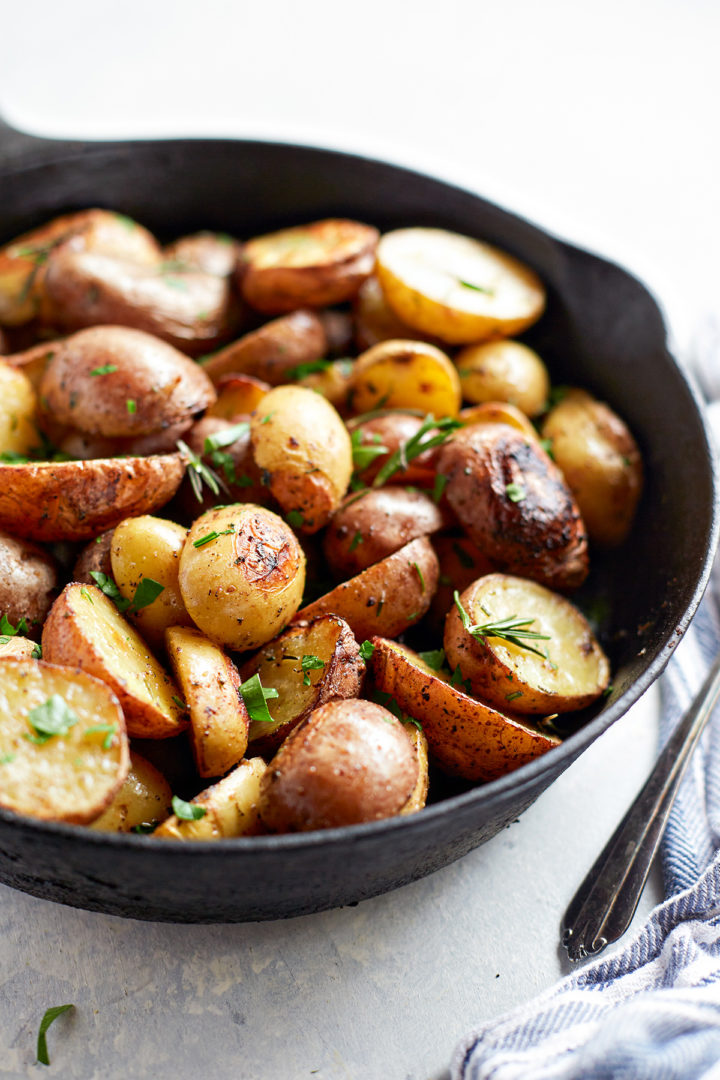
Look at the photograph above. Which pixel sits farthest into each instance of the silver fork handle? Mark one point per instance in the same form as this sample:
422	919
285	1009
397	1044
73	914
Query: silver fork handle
605	903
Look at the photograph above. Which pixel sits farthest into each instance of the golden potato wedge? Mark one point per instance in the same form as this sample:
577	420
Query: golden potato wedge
312	265
72	774
601	462
515	505
230	807
210	685
94	559
384	433
19	648
465	737
84	628
499	412
211	252
457	288
386	598
304	451
418	798
375	320
562	669
242	575
119	382
406	375
237	395
76	500
28	582
189	309
368	528
504	371
148	548
307	665
273	351
143	800
18	430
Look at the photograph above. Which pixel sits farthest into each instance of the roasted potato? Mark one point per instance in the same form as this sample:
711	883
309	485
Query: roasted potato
312	265
406	375
457	288
115	381
237	395
350	761
504	371
388	597
274	351
465	737
418	796
17	647
379	522
228	808
333	379
18	430
338	327
211	252
515	504
242	575
28	581
499	412
601	462
303	448
143	800
77	500
32	361
461	563
94	559
85	629
375	320
148	549
210	685
307	666
63	747
384	433
544	658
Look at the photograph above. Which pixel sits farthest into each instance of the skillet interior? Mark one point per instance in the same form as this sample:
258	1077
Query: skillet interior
602	330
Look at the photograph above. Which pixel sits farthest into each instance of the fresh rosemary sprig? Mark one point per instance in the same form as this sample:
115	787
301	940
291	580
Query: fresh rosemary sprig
200	473
510	629
422	440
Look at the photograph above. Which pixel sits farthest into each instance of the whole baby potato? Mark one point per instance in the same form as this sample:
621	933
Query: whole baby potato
242	575
504	371
28	581
302	446
18	433
115	381
350	761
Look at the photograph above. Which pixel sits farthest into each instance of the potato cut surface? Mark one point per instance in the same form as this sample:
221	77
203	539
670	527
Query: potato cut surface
230	807
70	776
143	799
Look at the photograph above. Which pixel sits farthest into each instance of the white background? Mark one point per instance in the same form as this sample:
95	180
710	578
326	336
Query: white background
600	122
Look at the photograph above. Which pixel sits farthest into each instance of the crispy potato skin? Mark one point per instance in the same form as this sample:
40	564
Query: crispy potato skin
601	462
330	639
209	252
85	629
303	448
574	673
314	265
504	371
406	375
367	529
231	807
386	598
350	761
94	557
465	737
242	587
144	798
150	547
28	582
188	309
77	500
391	430
539	536
72	778
163	387
273	350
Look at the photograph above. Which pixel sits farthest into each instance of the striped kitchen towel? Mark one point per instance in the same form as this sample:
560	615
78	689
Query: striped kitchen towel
650	1011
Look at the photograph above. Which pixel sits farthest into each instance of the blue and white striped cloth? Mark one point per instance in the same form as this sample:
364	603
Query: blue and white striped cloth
650	1011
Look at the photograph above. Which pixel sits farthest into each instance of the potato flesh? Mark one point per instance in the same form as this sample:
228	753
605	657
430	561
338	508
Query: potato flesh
70	777
231	807
150	547
18	432
143	799
406	375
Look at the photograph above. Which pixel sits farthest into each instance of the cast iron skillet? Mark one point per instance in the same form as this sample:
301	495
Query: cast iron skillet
602	330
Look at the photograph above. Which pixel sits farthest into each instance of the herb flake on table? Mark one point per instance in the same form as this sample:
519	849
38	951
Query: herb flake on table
48	1018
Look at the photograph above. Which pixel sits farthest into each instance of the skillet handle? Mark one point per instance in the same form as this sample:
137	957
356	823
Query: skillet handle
16	146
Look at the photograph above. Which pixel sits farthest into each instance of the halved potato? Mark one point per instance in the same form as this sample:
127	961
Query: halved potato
601	462
238	395
210	686
272	351
230	807
560	670
76	500
418	798
85	629
375	320
17	648
455	287
465	737
386	598
212	252
307	665
18	431
70	776
312	265
143	799
504	371
148	547
406	375
303	448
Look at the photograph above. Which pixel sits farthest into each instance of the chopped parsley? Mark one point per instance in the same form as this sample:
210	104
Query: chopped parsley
310	663
256	696
187	811
50	1015
53	717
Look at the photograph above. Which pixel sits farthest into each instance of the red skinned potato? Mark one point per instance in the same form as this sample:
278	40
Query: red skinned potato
314	265
273	351
350	761
515	505
28	582
384	432
119	382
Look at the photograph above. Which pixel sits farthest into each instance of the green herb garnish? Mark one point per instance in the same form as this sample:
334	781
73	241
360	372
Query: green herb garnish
109	729
187	811
310	663
209	537
416	568
356	540
476	288
53	717
145	827
515	492
294	518
312	367
365	453
225	438
366	650
50	1015
131	406
199	473
434	658
510	629
422	440
256	696
105	369
515	694
8	630
439	487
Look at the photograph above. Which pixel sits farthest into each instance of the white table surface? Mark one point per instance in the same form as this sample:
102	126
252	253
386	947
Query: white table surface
599	122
